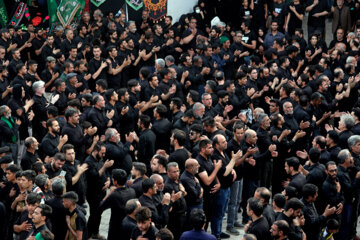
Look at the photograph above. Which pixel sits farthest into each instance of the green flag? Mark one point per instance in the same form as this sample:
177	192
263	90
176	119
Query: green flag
3	14
52	6
65	12
135	4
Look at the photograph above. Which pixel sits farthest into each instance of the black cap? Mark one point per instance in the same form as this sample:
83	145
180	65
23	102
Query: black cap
6	159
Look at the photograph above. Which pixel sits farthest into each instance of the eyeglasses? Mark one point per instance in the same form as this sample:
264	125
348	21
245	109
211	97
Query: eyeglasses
333	170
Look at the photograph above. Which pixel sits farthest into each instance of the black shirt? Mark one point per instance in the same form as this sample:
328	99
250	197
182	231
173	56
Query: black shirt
225	181
49	144
260	228
95	182
28	160
159	216
192	187
59	226
127	227
117	201
179	156
150	234
179	206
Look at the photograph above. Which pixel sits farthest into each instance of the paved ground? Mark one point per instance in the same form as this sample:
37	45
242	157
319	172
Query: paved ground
106	215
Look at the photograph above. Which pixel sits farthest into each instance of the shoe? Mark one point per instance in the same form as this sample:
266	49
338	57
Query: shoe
232	231
224	235
238	225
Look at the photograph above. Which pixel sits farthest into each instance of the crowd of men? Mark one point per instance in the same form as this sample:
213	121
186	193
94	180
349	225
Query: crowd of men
172	125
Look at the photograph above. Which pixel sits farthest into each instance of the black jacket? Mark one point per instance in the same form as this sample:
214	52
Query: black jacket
98	119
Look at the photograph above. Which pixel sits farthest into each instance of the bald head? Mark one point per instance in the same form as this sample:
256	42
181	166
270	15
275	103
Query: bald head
250	136
192	166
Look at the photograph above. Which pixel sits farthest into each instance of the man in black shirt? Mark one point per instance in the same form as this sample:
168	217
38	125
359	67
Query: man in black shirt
129	223
258	225
54	168
58	216
98	67
52	141
162	128
74	173
39	217
146	141
159	216
23	223
138	174
180	154
31	155
76	221
118	151
207	173
98	117
39	108
292	169
292	212
194	196
177	217
226	176
116	200
313	221
144	227
97	183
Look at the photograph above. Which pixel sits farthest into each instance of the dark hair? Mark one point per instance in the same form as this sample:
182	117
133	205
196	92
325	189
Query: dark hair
71	196
120	176
13	168
203	143
98	146
177	102
279	200
46	210
180	136
332	224
66	147
196	128
293	162
142	214
197	218
60	157
282	226
333	135
145	120
294	204
161	109
290	192
102	83
49	122
147	184
256	206
314	155
309	190
141	167
33	198
161	160
194	95
37	166
70	112
29	175
164	234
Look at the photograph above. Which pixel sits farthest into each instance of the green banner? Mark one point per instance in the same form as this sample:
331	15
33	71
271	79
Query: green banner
135	4
65	12
3	14
52	9
97	3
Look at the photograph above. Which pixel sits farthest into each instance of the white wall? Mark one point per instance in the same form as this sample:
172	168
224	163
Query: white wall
176	8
